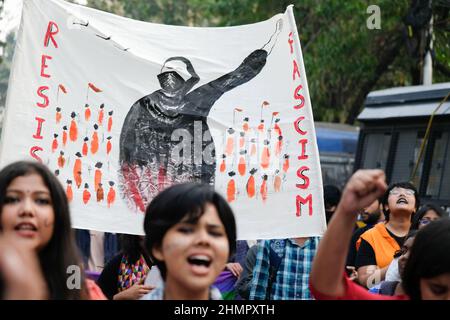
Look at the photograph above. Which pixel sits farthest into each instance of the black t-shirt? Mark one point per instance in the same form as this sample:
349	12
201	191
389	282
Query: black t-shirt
108	280
366	255
351	257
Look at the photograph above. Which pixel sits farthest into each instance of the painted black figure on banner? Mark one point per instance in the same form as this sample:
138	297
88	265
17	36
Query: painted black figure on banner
148	141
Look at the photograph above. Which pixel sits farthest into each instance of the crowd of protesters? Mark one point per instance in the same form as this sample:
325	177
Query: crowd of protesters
380	244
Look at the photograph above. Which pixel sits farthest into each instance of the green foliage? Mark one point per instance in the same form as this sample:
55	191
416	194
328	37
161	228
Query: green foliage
344	60
5	67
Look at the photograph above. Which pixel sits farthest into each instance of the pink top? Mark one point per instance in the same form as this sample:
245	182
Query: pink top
95	293
354	291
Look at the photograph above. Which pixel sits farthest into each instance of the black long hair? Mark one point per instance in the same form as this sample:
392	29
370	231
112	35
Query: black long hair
61	251
131	246
186	200
422	211
429	256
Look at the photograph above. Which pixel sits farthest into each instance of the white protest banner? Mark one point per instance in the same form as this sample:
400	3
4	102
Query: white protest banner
120	109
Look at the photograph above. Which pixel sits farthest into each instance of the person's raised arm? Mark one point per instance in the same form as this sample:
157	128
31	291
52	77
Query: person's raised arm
252	65
327	274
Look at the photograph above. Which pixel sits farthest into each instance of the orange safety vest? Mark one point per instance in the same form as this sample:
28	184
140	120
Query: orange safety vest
382	244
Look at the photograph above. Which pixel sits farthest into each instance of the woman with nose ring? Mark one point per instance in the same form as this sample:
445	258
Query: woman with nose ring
190	233
377	246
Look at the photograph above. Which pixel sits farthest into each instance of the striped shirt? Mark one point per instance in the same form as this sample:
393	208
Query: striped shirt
292	279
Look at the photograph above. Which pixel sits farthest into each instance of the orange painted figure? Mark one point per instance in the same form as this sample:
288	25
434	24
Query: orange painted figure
263	189
69	191
77	170
265	156
278	145
54	143
223	165
108	145
73	131
64	137
253	147
231	187
110	120
101	114
85	148
277	181
61	159
286	163
245	126
277	127
261	126
111	194
229	148
242	164
251	188
241	139
87	112
97	175
86	194
58	115
100	193
94	140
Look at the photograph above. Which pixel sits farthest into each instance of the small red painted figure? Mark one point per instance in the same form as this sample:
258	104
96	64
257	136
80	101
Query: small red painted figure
110	121
101	114
61	159
223	165
286	163
94	140
97	175
111	194
100	193
277	181
242	164
265	156
241	139
251	185
278	145
69	191
64	137
85	148
245	125
277	127
263	189
73	131
108	145
58	115
229	148
231	187
54	142
261	126
87	112
86	194
77	170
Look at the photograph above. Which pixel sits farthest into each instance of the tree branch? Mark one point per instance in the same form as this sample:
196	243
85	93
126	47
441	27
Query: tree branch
442	68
